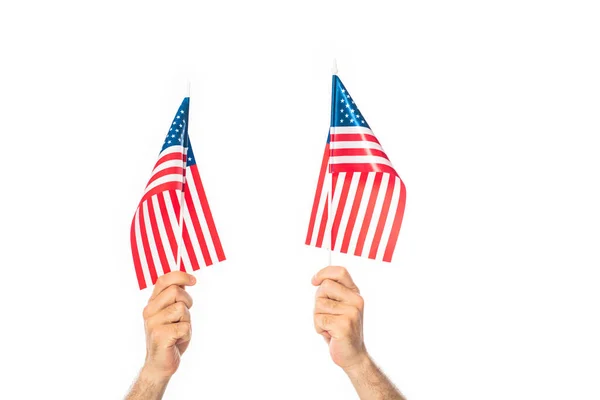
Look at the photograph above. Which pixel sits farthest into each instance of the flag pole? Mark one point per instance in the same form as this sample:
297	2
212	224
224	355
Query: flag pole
182	197
334	72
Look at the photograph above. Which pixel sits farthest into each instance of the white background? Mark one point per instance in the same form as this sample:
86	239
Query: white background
488	110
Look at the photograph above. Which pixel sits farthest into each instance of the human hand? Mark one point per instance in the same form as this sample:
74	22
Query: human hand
168	325
338	316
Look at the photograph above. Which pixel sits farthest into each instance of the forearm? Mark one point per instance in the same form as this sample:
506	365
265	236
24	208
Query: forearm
147	387
372	384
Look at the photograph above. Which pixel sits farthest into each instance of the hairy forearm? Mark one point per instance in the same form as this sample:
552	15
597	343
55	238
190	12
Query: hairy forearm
372	384
147	387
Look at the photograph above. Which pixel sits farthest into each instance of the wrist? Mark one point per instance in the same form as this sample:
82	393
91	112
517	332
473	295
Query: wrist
358	368
153	377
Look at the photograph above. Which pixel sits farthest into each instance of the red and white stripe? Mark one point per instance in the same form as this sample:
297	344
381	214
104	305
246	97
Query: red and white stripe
155	230
202	245
368	197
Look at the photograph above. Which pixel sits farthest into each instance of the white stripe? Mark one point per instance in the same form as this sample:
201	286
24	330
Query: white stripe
360	160
376	214
167	164
347	209
357	145
164	179
340	130
150	237
187	221
361	212
163	233
335	201
140	247
191	184
390	219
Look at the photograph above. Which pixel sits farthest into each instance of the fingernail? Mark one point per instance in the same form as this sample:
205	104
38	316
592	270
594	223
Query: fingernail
192	279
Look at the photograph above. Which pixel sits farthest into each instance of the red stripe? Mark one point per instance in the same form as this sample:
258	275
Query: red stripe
382	217
207	213
368	215
343	167
162	188
187	242
359	152
389	250
146	245
168	227
157	239
164	172
169	157
340	208
323	226
175	201
354	211
353	137
189	203
136	257
315	207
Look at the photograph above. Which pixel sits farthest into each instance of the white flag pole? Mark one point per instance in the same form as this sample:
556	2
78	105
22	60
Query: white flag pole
330	217
182	198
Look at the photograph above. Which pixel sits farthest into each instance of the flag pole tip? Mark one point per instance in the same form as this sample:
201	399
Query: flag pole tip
334	69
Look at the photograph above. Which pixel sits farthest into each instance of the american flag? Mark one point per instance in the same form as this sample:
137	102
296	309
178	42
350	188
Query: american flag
156	230
368	196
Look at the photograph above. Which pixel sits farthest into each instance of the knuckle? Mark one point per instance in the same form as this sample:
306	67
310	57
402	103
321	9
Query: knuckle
179	308
161	279
146	313
184	328
172	291
326	285
360	302
319	291
342	272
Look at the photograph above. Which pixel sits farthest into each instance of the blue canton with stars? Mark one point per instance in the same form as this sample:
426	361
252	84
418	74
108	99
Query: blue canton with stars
178	132
344	112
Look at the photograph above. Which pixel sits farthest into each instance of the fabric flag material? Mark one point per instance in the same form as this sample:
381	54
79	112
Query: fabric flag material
156	230
367	194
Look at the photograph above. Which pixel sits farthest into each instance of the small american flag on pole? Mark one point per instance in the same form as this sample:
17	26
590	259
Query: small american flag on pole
359	201
158	227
